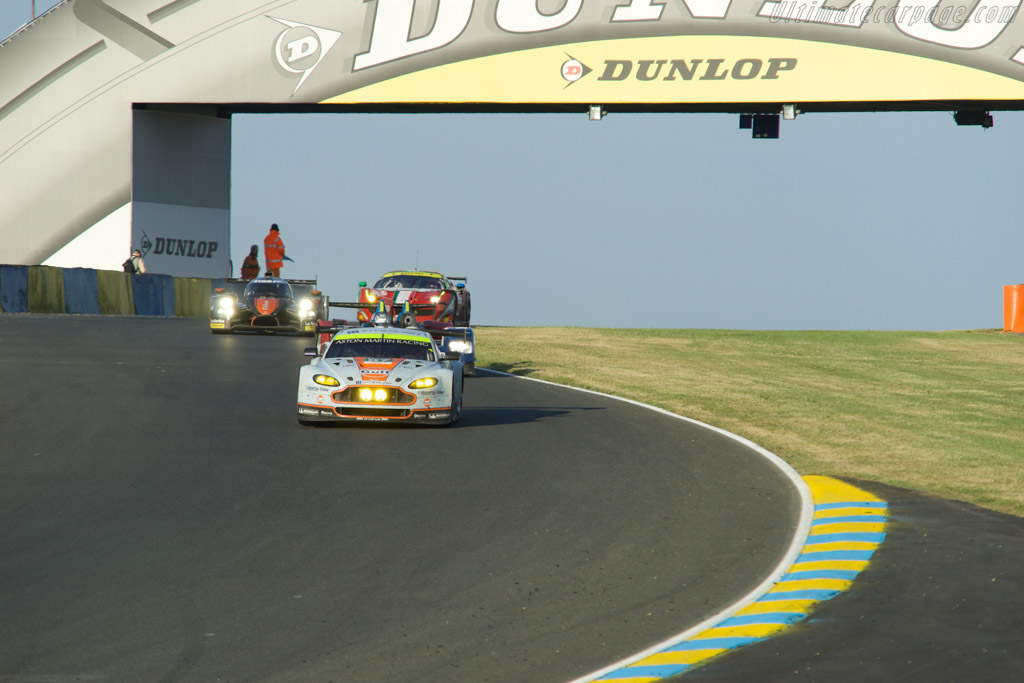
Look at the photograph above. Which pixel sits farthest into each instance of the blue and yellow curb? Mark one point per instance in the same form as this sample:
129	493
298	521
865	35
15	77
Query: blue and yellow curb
847	527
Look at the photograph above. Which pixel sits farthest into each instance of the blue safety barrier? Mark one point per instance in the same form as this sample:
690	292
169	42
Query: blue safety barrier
167	292
14	289
81	291
147	293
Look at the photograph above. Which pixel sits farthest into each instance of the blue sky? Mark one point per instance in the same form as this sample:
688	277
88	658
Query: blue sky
848	221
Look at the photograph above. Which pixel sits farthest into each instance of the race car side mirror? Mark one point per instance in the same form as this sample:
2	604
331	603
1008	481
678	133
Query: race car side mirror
450	355
310	351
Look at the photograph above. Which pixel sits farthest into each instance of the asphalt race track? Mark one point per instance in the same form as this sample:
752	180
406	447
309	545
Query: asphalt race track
164	518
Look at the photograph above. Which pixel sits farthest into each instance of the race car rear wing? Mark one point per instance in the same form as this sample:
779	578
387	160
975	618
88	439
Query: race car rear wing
368	306
349	304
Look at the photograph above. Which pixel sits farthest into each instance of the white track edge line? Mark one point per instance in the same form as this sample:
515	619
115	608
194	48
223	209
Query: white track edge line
795	546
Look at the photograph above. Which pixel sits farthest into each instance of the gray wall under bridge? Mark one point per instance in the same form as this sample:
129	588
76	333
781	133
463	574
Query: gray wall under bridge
73	84
181	190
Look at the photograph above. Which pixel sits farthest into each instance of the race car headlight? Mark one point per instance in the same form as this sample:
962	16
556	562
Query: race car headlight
306	305
226	303
367	394
423	383
434	299
371	297
326	380
461	346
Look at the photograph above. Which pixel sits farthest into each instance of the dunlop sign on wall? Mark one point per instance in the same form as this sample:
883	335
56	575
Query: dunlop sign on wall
651	51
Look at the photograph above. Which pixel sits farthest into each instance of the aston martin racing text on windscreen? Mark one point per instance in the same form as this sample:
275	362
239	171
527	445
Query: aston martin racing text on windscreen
412	348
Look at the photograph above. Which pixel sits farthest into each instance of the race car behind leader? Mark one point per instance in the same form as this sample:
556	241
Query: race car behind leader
267	304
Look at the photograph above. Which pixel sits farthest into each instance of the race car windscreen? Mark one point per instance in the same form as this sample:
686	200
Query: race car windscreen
381	347
409	282
268	290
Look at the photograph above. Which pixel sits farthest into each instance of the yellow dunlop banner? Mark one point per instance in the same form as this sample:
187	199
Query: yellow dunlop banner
45	290
115	293
692	69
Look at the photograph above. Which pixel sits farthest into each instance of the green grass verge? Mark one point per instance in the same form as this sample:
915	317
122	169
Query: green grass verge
941	412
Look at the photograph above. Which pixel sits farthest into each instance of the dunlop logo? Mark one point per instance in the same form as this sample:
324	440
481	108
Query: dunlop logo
696	69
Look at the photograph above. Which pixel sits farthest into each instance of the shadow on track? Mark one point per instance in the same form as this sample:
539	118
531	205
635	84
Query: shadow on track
471	417
508	368
480	417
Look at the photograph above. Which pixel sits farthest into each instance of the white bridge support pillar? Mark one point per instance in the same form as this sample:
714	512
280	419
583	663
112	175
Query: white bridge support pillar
181	189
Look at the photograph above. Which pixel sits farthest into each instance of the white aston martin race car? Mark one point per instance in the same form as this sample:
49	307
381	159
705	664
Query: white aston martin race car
380	373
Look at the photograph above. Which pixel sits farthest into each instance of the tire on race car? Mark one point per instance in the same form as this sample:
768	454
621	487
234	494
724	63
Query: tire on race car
456	415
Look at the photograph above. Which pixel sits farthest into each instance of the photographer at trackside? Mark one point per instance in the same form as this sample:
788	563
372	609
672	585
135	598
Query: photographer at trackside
134	264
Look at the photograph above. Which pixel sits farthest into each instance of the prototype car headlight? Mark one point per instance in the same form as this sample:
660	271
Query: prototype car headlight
461	346
326	380
226	305
423	383
306	304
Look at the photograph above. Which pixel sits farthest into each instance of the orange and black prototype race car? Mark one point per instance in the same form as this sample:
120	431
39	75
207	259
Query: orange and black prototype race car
267	304
430	295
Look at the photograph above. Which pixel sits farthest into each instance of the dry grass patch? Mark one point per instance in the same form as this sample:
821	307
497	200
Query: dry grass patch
937	412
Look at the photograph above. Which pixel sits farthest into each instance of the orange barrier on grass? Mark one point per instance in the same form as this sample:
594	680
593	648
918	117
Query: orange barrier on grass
1013	308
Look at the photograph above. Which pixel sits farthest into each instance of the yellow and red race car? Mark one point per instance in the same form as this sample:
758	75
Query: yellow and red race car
431	296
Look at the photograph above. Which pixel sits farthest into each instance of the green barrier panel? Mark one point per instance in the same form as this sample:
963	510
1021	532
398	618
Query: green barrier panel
115	290
192	297
45	289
